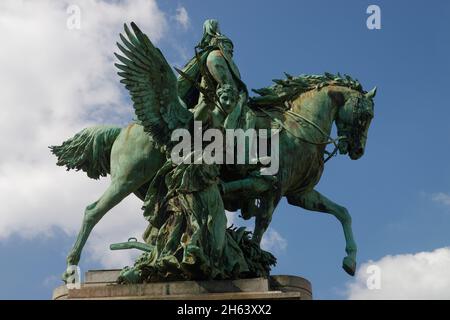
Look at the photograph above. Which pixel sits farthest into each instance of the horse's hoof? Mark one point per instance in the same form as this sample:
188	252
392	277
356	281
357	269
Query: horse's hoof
349	265
70	275
67	277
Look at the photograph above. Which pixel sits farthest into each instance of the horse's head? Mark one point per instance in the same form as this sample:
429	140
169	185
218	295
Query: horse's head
353	121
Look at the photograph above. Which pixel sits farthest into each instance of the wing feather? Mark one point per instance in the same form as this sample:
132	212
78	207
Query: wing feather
152	85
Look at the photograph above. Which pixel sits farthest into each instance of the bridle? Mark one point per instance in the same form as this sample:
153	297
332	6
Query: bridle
359	121
360	116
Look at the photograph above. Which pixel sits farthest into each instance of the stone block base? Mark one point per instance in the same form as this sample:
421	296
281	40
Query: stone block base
101	284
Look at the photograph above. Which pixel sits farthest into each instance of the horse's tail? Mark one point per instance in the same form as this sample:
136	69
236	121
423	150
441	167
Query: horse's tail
89	150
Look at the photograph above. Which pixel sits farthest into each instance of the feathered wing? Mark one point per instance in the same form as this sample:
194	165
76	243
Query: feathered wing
152	85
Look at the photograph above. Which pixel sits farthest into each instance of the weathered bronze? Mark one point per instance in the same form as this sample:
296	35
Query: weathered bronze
187	235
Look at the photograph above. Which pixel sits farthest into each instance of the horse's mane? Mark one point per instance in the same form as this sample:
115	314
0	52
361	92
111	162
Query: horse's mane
288	89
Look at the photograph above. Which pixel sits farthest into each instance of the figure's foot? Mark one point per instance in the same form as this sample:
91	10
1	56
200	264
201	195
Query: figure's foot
349	265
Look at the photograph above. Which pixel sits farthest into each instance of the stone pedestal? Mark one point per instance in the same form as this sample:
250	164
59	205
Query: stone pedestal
101	284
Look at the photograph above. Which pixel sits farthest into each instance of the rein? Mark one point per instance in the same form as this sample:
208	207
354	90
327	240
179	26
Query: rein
299	118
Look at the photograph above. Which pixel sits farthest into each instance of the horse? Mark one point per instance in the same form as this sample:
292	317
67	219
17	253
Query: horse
305	118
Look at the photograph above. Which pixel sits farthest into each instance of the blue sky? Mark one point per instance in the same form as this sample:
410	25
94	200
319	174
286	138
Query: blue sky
396	193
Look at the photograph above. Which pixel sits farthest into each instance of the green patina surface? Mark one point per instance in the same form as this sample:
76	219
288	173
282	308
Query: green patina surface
187	235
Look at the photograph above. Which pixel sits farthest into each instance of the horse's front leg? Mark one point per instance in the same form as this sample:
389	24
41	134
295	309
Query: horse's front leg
314	201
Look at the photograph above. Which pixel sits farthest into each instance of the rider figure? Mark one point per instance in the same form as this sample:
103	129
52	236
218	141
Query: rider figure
216	75
218	78
210	86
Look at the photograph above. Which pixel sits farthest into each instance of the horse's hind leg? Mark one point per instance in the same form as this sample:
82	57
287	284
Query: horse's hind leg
261	188
115	193
315	201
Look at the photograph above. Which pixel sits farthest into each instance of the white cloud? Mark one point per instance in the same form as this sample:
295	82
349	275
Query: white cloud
273	241
182	17
424	275
54	82
232	218
441	198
